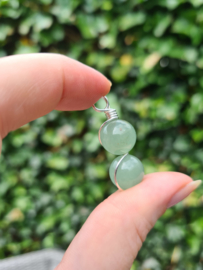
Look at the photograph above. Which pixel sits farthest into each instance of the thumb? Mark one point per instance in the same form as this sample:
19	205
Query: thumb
116	229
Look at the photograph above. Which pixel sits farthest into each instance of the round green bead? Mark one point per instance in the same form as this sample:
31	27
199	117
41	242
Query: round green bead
118	137
130	171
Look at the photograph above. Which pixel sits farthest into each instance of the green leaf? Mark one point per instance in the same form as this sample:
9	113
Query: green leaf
171	4
42	21
185	27
197	135
26	24
5	30
52	138
58	182
162	26
48	241
119	73
90	26
196	3
24	49
181	144
77	194
175	233
91	142
131	19
57	162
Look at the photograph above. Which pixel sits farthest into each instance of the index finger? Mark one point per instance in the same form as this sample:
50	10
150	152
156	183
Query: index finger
33	85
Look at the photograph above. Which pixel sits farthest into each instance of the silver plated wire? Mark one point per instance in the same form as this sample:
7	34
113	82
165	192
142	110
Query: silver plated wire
116	170
109	112
105	109
110	115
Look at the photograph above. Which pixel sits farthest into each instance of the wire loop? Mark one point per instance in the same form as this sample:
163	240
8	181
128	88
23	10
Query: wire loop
110	113
106	109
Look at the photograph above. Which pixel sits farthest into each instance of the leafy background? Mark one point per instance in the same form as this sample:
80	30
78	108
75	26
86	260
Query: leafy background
54	172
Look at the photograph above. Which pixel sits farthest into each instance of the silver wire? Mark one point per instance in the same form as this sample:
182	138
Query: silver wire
110	114
116	169
105	109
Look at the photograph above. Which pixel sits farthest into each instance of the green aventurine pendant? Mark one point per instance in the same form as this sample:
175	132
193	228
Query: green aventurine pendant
118	137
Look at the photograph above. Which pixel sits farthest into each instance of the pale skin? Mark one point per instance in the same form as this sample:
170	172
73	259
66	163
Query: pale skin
32	86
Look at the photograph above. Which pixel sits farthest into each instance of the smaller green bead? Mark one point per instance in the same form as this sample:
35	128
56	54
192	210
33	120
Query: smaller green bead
118	136
130	171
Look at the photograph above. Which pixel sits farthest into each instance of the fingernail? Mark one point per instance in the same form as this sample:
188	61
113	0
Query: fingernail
110	83
184	192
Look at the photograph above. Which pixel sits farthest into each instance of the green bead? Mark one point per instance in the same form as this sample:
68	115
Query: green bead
118	136
130	171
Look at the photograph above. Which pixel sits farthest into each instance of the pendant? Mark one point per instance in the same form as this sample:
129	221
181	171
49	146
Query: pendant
118	137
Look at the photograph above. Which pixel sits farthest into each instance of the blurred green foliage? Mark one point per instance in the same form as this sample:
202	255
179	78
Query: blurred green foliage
54	172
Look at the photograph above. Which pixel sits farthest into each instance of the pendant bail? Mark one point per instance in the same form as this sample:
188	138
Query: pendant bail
109	112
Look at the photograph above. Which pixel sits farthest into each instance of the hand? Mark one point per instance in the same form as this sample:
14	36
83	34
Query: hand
33	85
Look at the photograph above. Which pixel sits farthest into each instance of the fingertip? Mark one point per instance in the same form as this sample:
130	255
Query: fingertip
44	82
83	86
99	86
